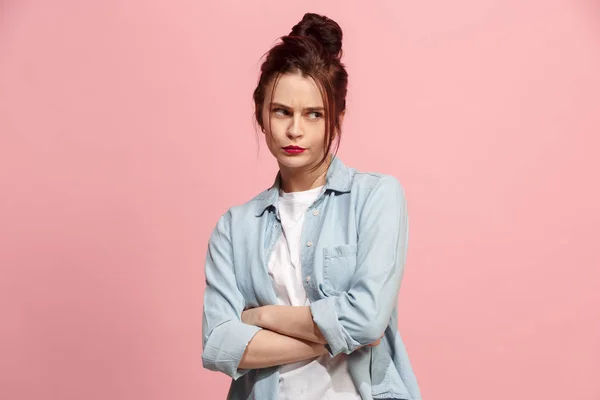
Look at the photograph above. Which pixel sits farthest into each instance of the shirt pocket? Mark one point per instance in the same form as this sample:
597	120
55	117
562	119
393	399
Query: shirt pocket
339	265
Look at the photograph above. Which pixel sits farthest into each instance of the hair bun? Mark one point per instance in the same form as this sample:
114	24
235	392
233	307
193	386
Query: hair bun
324	30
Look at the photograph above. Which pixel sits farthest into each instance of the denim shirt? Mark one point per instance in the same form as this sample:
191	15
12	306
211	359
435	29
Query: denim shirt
354	239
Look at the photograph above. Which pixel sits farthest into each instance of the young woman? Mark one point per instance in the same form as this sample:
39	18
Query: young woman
302	281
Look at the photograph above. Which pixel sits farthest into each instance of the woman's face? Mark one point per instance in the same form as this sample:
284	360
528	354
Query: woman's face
296	132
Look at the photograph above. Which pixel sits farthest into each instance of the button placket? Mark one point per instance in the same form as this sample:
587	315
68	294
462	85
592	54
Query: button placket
311	233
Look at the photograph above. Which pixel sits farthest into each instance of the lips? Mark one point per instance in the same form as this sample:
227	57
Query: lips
293	149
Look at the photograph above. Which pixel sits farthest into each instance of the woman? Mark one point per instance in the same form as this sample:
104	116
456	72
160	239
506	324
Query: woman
302	281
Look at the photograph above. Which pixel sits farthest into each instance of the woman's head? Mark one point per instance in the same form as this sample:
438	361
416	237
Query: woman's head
300	99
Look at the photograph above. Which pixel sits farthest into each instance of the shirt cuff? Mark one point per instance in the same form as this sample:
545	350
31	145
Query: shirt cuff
226	346
325	317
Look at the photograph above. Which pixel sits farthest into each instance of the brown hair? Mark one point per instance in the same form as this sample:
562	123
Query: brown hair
313	48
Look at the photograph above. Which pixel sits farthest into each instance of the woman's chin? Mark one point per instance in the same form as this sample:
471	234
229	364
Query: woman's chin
293	164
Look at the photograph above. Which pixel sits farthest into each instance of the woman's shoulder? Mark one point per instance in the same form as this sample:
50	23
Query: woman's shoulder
241	216
374	192
370	183
252	207
359	184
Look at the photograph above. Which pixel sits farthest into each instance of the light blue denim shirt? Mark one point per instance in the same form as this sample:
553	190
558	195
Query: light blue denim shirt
354	248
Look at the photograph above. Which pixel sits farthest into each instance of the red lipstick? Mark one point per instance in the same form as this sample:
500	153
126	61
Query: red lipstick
293	149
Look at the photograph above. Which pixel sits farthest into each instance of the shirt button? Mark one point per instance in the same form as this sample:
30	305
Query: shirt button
309	244
316	212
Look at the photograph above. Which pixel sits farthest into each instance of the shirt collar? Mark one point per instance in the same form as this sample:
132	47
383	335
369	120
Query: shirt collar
337	179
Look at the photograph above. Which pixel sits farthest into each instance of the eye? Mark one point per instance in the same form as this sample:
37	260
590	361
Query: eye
280	112
315	115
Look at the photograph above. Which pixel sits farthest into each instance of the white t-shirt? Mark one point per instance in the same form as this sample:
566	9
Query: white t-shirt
325	377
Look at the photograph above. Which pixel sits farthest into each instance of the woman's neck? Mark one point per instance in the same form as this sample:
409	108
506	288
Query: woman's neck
295	180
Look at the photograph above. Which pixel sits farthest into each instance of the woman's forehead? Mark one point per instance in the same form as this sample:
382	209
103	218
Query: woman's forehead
296	90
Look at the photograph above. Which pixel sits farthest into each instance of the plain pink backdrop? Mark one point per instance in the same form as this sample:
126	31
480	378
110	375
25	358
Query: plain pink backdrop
126	131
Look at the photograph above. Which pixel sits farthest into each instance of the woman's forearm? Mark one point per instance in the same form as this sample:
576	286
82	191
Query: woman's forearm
291	321
268	349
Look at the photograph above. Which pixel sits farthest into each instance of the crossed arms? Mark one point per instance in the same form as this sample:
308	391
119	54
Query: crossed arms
236	341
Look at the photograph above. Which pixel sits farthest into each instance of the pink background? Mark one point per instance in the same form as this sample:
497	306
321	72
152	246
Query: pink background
126	131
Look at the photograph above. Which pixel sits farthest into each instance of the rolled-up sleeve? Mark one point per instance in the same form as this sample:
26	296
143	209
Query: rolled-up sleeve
224	336
360	316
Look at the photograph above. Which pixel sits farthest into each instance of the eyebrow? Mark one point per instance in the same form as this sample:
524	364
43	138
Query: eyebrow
305	108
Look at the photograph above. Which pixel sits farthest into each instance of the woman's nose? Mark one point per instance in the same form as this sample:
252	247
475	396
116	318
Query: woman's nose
294	130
